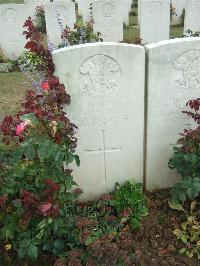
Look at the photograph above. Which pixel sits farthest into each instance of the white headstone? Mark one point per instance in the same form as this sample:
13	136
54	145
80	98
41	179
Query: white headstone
192	16
59	14
173	80
108	19
106	84
12	18
179	6
84	9
154	20
31	6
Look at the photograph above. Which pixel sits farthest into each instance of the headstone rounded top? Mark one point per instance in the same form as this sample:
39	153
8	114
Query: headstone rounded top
10	14
108	9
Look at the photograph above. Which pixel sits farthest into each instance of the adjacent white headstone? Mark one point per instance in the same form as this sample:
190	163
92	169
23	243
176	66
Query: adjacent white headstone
57	15
154	20
173	80
12	18
108	19
192	16
106	84
179	6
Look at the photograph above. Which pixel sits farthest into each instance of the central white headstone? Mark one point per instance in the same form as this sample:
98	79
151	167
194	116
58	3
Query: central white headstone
154	20
108	19
106	82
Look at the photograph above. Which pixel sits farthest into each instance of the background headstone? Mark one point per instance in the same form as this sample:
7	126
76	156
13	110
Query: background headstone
179	6
57	15
106	84
84	9
192	16
154	20
173	80
12	18
126	8
108	19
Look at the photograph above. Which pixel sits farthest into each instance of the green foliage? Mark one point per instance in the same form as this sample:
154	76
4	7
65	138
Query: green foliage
131	202
186	158
190	33
30	61
189	231
82	33
189	187
40	19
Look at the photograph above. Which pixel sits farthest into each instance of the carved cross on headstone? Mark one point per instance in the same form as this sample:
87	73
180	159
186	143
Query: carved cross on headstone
103	151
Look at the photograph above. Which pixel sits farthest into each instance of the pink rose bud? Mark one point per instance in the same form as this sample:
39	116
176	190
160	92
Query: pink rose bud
21	127
45	86
44	207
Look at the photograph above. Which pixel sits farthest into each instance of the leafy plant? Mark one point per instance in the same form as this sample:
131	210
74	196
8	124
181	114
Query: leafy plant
40	19
172	12
189	231
35	184
186	158
79	35
190	33
30	61
130	202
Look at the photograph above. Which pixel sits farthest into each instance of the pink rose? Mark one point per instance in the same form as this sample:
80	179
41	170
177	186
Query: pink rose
21	127
45	86
44	207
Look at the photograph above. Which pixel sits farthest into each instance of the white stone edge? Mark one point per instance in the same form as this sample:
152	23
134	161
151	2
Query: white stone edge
74	47
171	41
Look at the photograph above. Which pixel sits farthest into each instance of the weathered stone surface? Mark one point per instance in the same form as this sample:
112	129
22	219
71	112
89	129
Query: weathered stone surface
12	18
108	19
192	16
106	82
57	15
154	20
179	6
173	79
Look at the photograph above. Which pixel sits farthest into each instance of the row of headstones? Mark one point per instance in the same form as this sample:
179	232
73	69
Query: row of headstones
127	127
109	16
154	18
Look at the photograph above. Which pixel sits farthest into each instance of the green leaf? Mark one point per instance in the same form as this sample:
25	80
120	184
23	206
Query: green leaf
182	251
30	117
77	160
33	251
24	243
59	244
30	152
176	206
43	150
184	239
178	232
89	240
135	223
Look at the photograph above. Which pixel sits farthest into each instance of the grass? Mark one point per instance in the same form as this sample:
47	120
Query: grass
11	2
13	86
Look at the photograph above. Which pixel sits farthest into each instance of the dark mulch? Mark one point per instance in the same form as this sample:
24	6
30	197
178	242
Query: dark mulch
154	243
